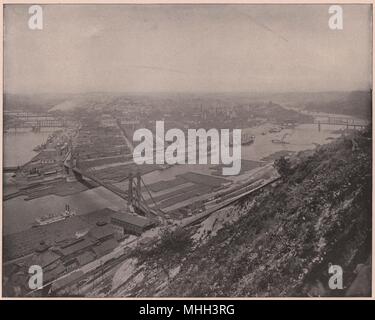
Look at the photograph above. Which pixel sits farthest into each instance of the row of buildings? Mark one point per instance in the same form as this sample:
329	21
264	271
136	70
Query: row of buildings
48	163
64	256
100	137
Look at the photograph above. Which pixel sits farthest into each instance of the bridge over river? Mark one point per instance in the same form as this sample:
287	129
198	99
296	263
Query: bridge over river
33	120
132	196
349	123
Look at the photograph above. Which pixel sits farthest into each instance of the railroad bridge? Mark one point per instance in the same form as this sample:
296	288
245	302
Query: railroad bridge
340	121
34	121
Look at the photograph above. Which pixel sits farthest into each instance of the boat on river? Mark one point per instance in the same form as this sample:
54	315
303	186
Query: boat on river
281	141
52	218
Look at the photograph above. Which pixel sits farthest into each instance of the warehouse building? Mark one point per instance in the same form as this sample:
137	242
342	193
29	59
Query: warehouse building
126	223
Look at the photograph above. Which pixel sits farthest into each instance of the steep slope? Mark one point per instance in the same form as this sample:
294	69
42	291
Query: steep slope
282	241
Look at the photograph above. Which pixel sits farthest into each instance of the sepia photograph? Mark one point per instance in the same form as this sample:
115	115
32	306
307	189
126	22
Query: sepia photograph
187	150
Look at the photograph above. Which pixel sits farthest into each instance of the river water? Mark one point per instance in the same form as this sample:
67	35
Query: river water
18	148
19	145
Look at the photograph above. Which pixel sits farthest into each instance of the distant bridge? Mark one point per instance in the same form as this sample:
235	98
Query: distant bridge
36	123
26	115
10	169
32	120
340	121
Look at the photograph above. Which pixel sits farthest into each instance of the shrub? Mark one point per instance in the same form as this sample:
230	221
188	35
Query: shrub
283	167
176	240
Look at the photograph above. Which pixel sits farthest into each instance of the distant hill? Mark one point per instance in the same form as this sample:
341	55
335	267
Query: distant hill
356	103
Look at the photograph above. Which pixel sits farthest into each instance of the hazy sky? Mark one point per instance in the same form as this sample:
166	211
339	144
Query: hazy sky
214	48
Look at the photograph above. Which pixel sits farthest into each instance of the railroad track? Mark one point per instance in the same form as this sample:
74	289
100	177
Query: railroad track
104	271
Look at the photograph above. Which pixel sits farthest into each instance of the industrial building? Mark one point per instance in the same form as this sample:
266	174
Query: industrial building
64	255
126	223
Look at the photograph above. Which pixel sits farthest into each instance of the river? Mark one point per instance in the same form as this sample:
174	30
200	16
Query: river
19	145
18	149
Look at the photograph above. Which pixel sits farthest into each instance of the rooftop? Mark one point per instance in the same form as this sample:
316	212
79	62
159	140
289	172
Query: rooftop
77	246
131	219
52	274
85	258
105	247
44	258
101	231
62	282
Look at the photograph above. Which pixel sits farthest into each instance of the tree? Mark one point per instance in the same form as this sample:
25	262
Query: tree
283	167
175	240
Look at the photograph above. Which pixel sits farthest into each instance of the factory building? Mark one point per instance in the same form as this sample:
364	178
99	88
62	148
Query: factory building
126	223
